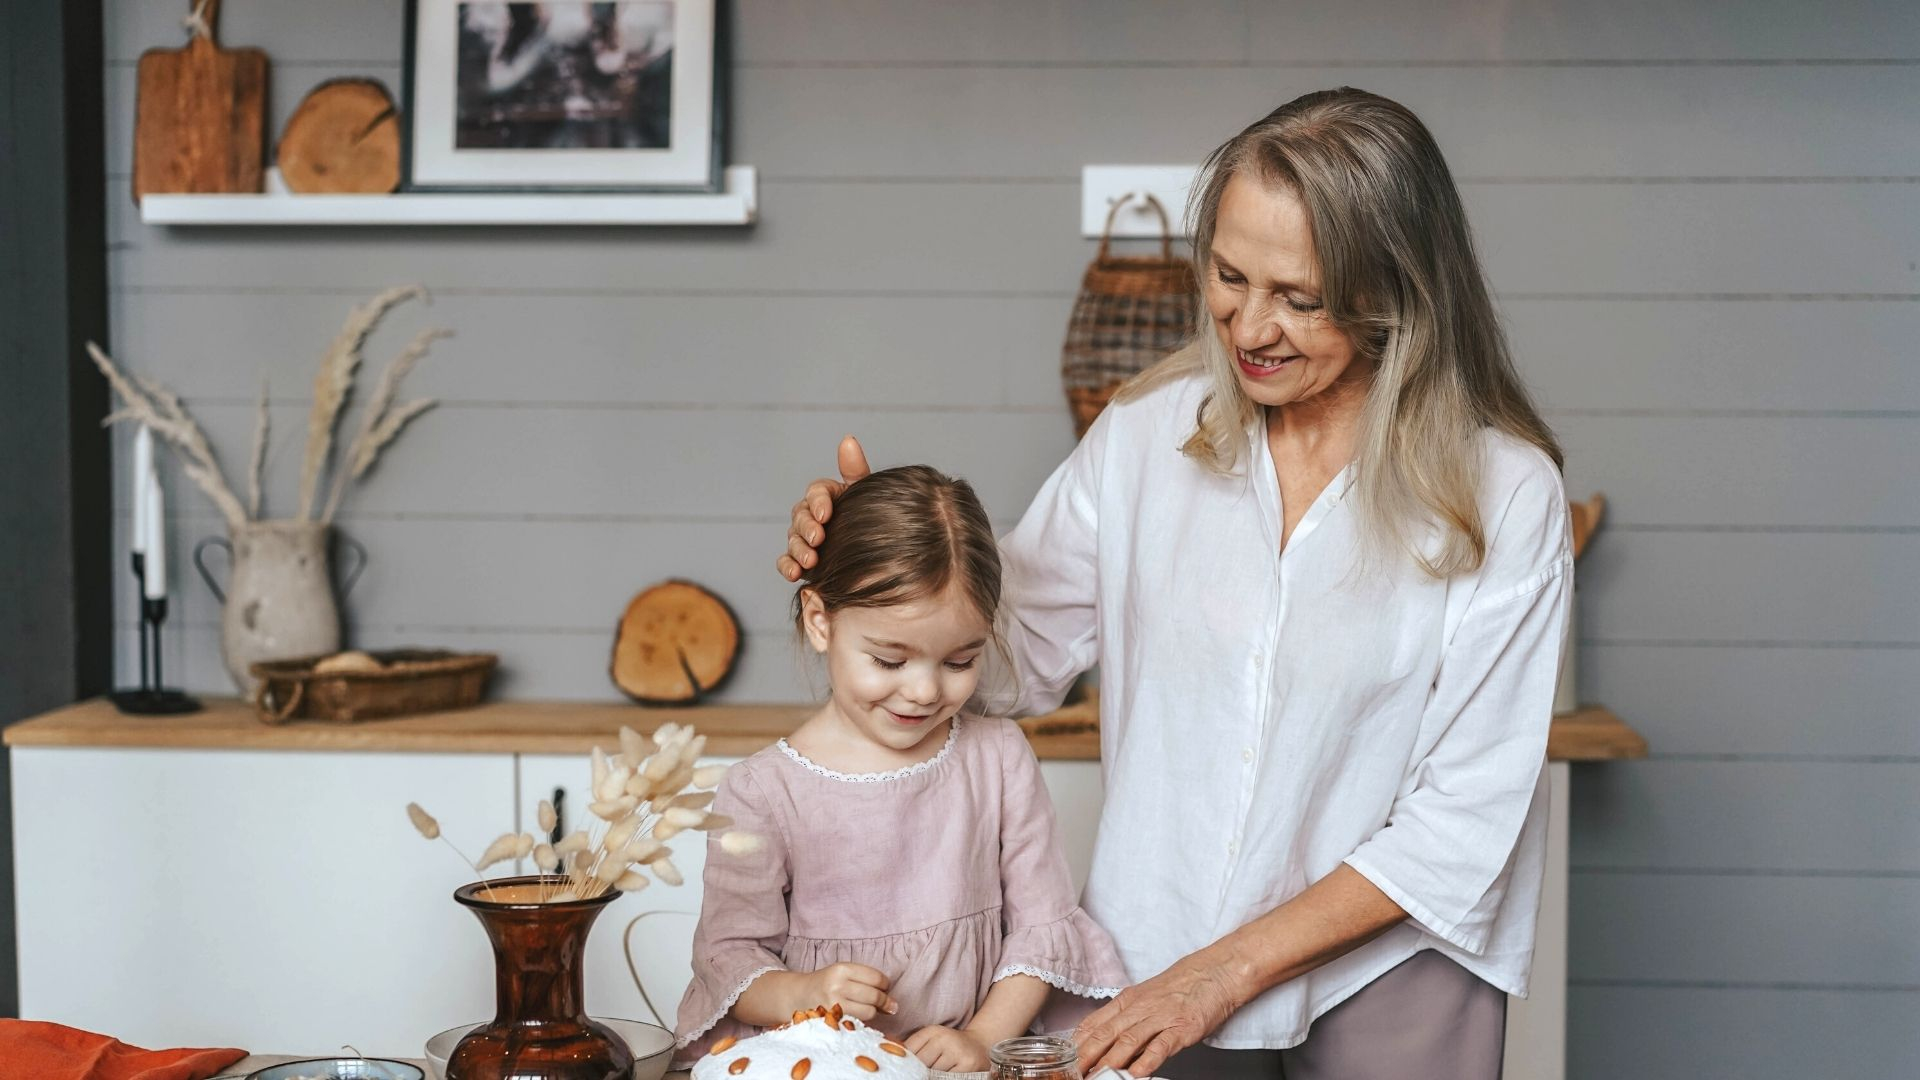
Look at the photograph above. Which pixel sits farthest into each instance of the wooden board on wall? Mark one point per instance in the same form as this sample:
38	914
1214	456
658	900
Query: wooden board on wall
200	117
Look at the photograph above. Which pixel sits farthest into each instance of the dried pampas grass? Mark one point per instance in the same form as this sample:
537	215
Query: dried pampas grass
257	463
152	404
160	409
649	792
334	382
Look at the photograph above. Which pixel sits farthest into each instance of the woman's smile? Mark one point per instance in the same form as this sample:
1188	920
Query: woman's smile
1259	367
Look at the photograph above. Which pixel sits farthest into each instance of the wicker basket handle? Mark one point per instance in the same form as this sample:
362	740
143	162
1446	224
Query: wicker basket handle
277	712
1166	226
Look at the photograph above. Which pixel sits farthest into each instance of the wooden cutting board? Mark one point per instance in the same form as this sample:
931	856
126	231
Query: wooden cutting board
200	117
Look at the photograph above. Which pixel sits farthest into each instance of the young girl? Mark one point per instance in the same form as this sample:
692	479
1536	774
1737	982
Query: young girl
911	871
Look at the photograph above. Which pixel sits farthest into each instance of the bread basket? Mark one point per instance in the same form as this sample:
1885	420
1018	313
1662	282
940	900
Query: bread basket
404	682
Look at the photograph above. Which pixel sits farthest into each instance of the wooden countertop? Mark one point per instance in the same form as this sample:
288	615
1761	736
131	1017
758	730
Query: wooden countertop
525	727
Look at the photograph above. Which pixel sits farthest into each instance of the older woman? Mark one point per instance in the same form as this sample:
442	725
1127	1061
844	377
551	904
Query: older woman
1321	558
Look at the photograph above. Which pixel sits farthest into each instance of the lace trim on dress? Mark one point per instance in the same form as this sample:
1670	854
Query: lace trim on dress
953	735
1058	982
726	1007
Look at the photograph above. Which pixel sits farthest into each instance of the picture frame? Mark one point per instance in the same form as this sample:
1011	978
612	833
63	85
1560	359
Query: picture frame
620	96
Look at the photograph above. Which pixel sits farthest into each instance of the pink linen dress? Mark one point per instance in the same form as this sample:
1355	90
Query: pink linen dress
947	876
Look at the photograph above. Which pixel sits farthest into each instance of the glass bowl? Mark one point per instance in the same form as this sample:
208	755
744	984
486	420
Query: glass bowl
340	1069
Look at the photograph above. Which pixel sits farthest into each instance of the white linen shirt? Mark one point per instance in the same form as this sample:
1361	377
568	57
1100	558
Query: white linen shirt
1268	715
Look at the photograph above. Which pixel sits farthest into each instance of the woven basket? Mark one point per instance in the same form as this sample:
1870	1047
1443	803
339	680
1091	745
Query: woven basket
1131	312
409	681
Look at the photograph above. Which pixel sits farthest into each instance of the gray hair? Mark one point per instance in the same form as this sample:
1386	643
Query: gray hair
1399	275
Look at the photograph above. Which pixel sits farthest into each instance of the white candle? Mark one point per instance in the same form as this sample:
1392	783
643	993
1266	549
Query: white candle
142	472
156	542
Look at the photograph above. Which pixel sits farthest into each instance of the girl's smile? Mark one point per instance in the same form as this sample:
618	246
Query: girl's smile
899	674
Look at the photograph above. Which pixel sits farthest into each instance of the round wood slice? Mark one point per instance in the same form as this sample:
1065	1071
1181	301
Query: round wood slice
676	642
344	139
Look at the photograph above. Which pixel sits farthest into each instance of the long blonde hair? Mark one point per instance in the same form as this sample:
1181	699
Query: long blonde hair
1399	275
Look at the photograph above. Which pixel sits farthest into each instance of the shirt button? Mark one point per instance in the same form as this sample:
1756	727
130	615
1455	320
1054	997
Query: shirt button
1247	755
1259	658
1233	848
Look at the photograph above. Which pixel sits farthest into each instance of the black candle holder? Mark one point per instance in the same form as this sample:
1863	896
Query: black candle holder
151	698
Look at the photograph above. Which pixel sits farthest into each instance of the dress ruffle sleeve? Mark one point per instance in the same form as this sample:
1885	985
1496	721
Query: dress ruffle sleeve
743	920
1047	935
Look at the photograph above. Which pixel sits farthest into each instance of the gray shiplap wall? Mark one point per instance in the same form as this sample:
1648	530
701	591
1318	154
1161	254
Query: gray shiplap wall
1703	220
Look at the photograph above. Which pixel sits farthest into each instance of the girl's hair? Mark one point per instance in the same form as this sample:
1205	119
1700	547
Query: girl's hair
901	535
1398	274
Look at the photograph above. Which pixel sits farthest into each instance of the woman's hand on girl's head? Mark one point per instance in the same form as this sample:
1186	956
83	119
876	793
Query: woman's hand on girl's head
947	1050
811	512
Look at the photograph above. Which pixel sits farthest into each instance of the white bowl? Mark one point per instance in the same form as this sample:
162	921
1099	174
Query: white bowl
652	1047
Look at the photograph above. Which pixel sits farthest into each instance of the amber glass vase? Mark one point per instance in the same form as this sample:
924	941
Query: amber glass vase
540	1029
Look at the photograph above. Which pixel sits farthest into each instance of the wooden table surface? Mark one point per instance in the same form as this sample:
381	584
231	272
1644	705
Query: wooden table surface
527	727
261	1061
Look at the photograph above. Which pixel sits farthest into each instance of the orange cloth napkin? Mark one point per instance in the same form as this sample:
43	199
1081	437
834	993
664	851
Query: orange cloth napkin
43	1051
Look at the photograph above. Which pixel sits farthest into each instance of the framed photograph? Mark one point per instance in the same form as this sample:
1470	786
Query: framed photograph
618	96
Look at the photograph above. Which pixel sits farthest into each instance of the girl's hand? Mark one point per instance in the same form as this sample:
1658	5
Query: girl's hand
811	512
948	1050
860	991
1149	1023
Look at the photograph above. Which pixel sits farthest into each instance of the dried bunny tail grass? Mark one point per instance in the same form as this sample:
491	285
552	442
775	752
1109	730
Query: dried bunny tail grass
631	881
610	870
667	872
683	817
667	830
709	776
692	800
499	851
644	850
523	845
334	382
665	732
600	767
633	745
615	784
548	816
545	858
573	843
257	463
613	809
622	833
423	822
158	408
660	766
715	823
742	843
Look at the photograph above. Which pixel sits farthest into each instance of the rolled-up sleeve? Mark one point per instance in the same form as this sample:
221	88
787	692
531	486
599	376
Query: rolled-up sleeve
1049	589
1452	829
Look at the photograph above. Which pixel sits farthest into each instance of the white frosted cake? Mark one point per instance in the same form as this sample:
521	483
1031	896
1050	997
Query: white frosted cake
819	1044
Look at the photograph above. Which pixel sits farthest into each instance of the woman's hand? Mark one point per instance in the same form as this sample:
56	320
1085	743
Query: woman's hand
948	1050
1149	1023
811	512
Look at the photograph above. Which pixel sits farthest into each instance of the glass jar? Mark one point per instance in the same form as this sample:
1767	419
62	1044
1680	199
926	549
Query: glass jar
1035	1057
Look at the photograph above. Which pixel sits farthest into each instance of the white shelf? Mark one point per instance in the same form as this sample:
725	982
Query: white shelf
737	205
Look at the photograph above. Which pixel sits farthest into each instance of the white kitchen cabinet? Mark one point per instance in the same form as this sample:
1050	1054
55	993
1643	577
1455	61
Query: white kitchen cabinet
278	900
268	900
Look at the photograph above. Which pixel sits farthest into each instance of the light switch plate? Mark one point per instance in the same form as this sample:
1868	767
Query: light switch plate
1100	185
